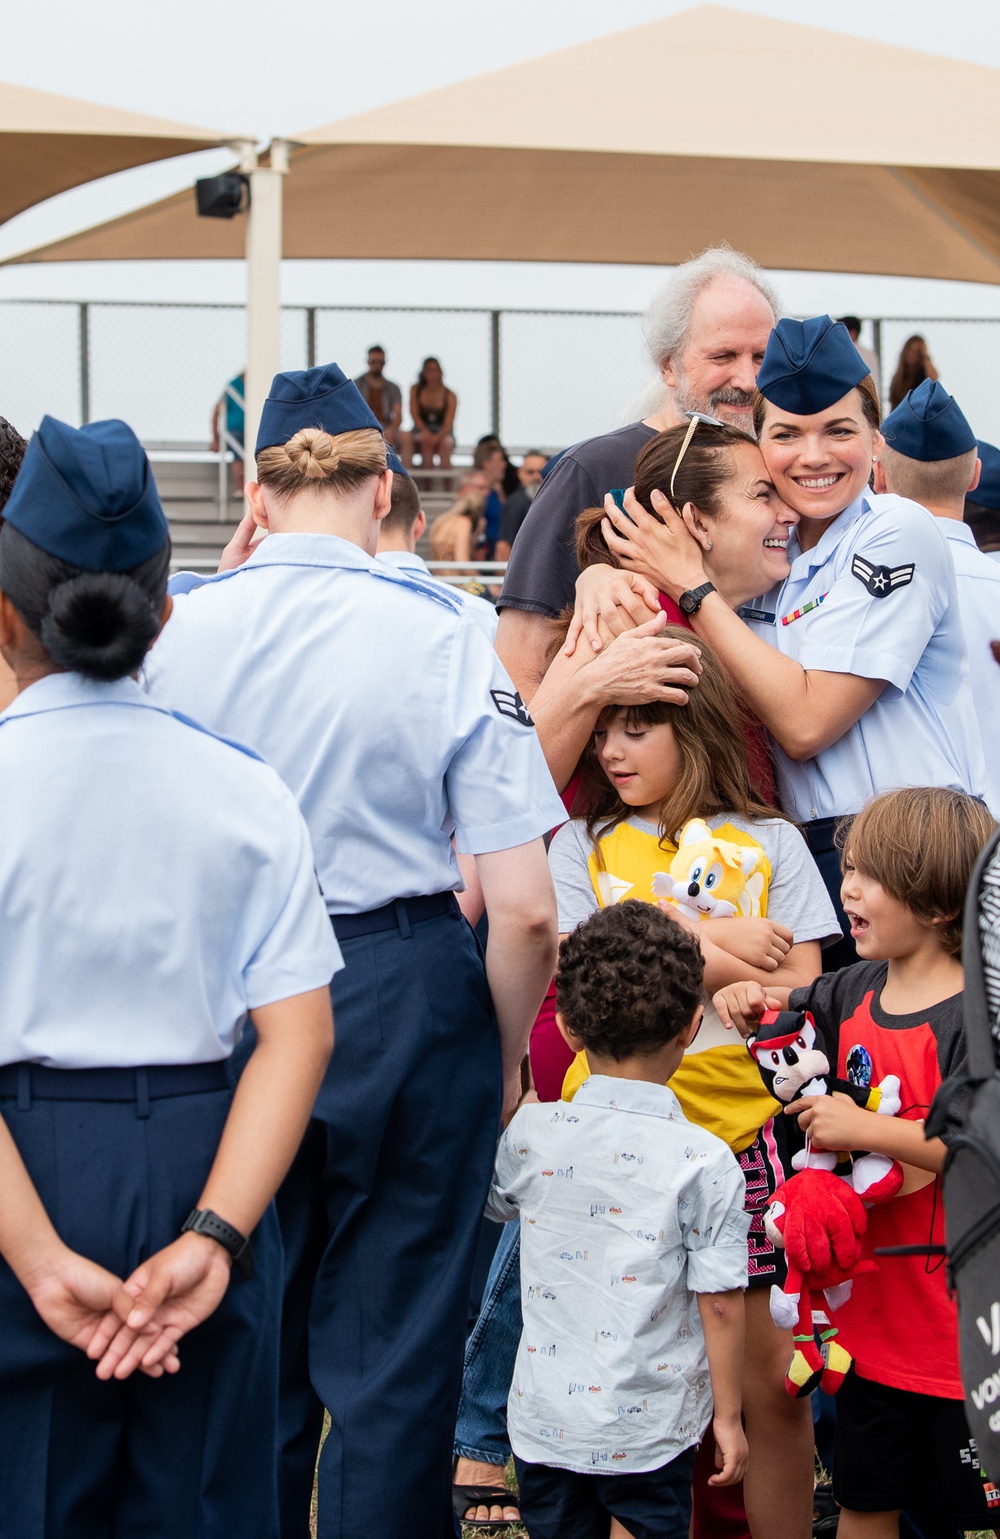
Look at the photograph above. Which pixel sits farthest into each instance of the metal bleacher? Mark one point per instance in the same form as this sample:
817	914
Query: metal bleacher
203	506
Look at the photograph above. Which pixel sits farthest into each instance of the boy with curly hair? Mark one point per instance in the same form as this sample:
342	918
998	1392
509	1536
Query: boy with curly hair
633	1251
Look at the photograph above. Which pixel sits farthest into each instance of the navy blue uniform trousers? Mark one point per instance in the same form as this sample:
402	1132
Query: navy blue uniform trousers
380	1218
821	837
188	1456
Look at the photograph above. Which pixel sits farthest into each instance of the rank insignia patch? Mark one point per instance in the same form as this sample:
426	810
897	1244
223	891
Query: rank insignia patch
509	703
880	581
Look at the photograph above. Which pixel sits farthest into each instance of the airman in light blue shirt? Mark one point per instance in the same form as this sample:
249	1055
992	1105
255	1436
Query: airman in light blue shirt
157	888
876	597
386	711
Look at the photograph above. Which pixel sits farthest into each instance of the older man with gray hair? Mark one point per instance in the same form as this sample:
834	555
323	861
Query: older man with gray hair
706	331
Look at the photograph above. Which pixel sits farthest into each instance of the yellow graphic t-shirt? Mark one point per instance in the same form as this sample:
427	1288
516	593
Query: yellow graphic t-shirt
718	1083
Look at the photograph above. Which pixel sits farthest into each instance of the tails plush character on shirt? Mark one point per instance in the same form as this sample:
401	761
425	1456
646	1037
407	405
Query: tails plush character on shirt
818	1220
792	1064
713	878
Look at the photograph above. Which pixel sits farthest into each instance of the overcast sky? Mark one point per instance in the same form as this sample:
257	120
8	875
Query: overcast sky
264	69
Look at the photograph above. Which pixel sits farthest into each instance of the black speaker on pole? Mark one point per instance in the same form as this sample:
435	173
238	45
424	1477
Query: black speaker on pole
223	197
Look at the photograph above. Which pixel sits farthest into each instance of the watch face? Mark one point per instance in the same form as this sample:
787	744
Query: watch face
688	603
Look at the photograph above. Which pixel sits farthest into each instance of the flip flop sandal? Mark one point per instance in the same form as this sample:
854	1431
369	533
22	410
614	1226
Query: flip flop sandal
826	1513
464	1497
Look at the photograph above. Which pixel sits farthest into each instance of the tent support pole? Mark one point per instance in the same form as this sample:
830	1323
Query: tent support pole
495	370
84	363
311	337
264	245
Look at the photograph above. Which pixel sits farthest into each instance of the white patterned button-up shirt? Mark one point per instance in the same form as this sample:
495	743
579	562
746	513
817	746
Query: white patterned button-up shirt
628	1212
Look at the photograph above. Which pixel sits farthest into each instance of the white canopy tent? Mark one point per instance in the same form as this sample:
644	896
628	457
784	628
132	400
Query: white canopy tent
807	148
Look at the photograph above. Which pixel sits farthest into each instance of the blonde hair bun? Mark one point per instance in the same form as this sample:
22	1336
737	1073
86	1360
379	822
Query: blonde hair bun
313	453
312	456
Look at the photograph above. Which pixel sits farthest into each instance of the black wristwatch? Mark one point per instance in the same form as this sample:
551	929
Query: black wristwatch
689	603
204	1221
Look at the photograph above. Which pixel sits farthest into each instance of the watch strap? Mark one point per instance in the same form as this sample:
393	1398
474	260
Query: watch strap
204	1221
690	602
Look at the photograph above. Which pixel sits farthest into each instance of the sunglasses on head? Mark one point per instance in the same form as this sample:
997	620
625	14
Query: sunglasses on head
617	493
694	417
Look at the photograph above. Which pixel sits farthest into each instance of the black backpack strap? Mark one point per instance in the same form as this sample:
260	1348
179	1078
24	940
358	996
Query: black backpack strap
979	1043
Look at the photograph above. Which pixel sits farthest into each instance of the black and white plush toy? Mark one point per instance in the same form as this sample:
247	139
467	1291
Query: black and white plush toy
793	1064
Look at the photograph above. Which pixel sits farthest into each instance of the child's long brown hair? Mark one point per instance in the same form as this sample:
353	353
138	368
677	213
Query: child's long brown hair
714	776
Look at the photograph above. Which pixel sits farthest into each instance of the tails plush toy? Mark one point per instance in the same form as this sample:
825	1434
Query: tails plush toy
818	1219
712	877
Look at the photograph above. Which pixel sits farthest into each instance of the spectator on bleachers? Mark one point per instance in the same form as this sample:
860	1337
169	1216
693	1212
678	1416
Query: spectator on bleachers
853	324
510	480
491	458
432	407
382	396
914	366
457	534
228	415
516	509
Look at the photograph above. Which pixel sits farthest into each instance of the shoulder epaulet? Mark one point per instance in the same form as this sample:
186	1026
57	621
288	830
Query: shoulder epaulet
230	742
406	578
184	582
403	578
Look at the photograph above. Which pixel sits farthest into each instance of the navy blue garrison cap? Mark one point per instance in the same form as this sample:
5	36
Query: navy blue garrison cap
313	398
987	493
808	365
928	424
87	496
395	464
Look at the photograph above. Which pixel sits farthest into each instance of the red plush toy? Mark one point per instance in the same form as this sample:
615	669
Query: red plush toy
818	1219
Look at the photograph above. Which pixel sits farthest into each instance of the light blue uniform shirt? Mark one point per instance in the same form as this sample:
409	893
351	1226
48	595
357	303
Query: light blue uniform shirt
877	598
484	613
378	701
155	884
978	581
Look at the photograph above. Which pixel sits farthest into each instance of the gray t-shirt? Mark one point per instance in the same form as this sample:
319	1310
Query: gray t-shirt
796	896
543	568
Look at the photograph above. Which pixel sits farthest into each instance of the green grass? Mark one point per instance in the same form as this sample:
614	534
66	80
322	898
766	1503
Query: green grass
518	1531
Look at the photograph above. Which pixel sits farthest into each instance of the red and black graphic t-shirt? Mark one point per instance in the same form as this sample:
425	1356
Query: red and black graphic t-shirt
899	1322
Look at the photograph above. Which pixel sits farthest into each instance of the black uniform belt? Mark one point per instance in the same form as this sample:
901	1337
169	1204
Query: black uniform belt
398	915
34	1081
820	833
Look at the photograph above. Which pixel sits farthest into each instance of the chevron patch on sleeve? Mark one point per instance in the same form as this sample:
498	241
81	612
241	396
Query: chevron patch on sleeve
880	581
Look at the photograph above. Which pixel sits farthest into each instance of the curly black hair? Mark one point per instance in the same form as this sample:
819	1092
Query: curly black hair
629	979
12	447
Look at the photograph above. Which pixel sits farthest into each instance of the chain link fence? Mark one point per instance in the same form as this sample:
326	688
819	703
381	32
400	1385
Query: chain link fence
540	378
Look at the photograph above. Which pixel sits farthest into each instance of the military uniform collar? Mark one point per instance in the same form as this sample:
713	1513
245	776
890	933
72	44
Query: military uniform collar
809	560
406	561
308	550
955	529
59	691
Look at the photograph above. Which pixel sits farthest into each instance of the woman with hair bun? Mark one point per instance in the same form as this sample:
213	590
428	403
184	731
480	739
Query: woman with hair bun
384	708
157	885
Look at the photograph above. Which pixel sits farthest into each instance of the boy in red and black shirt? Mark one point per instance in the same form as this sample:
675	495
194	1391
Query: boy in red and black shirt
902	1438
